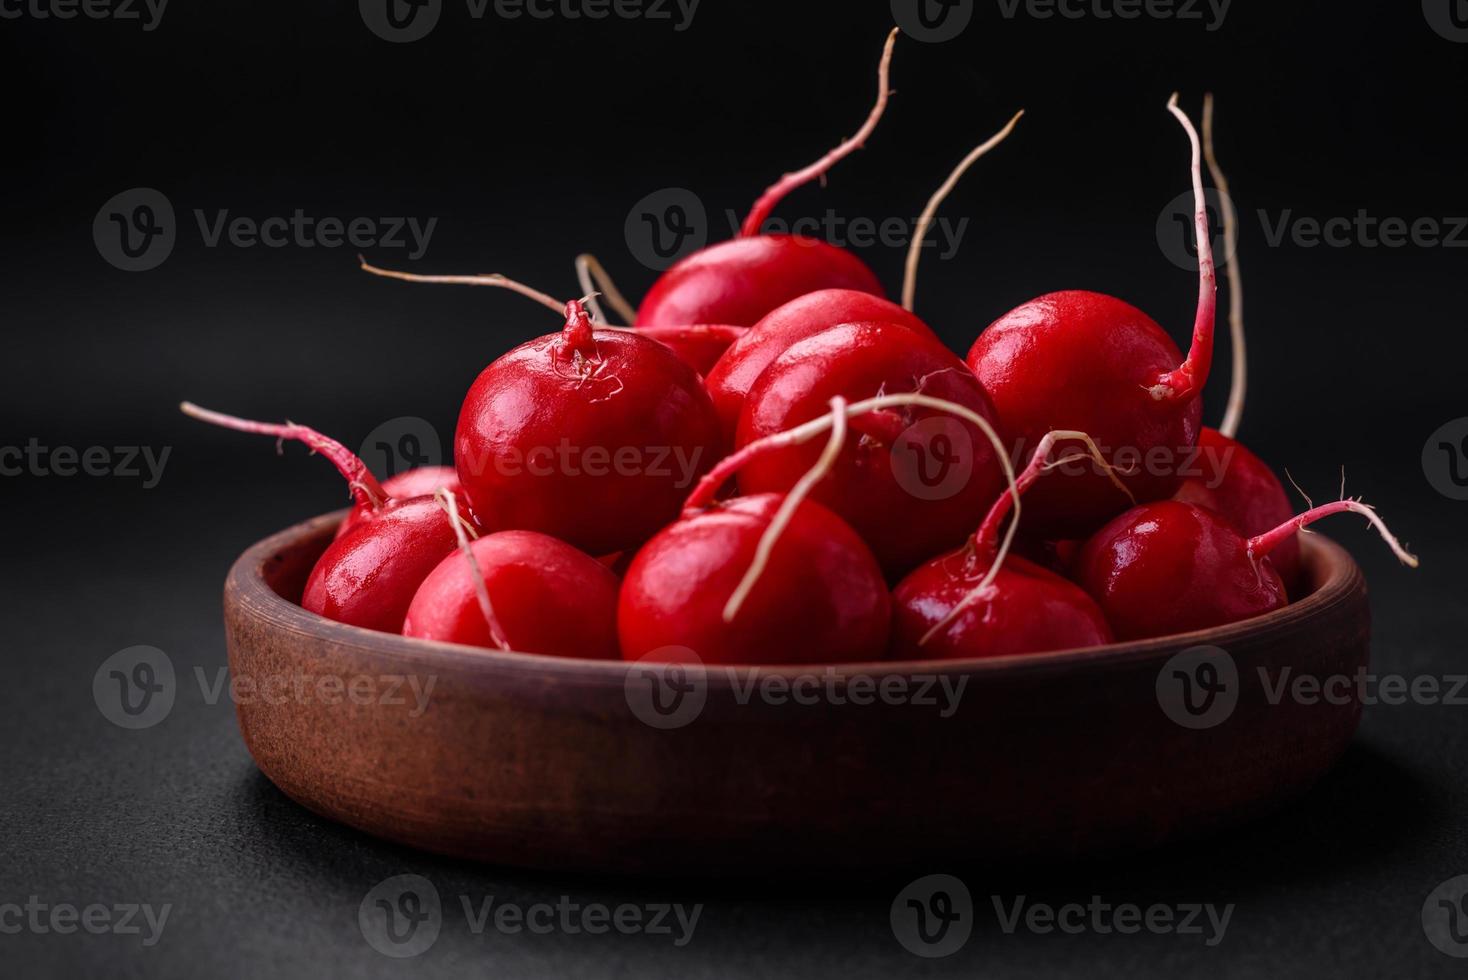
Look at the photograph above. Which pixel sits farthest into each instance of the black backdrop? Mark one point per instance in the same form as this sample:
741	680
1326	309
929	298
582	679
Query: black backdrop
531	139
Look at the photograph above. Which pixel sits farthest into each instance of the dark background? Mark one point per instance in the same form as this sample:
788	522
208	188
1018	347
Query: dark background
530	140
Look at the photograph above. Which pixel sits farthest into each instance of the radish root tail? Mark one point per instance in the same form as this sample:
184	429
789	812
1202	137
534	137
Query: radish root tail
593	277
450	504
788	506
777	191
1269	540
486	279
1238	387
925	220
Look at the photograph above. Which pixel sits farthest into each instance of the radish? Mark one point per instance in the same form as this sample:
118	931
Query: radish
518	590
1169	567
736	371
1085	361
771	578
589	435
697	345
982	601
740	280
368	575
918	480
1246	491
421	482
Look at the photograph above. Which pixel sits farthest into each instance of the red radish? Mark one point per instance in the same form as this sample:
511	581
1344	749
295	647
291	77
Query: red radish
1235	482
589	435
741	280
735	373
421	482
771	578
698	345
981	601
368	575
1086	361
520	591
909	492
1168	567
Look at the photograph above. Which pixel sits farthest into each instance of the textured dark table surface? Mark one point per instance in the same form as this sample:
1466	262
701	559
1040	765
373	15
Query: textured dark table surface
177	816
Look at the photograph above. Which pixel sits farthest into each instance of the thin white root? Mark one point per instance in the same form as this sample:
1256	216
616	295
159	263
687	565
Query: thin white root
1042	451
925	221
593	277
788	506
1233	414
446	499
486	279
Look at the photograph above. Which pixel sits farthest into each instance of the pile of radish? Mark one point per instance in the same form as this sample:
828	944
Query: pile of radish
751	453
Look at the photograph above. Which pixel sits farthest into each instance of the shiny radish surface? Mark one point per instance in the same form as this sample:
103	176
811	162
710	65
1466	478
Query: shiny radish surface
984	601
546	596
1025	609
421	482
589	435
1169	567
1242	488
369	575
910	493
741	365
739	281
699	346
821	597
1086	361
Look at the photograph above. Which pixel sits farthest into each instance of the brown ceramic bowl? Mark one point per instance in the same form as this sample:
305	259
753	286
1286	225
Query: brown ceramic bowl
548	762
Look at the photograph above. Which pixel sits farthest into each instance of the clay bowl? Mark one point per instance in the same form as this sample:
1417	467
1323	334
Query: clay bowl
557	763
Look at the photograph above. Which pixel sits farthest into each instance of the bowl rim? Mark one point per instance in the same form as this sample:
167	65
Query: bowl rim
246	586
